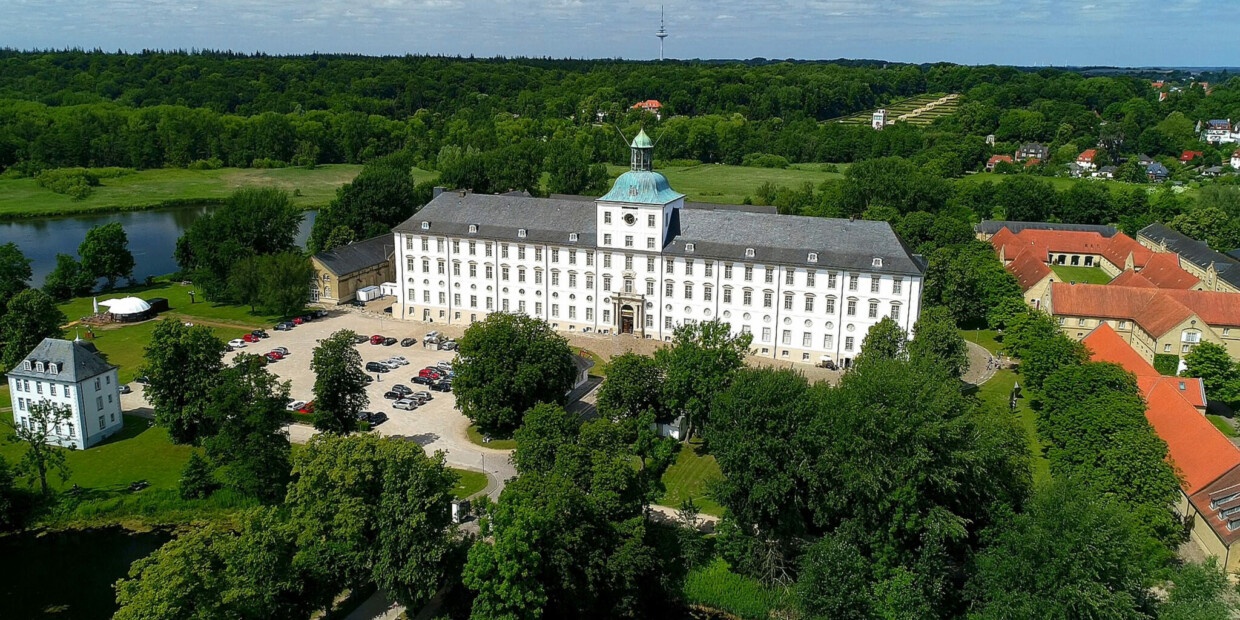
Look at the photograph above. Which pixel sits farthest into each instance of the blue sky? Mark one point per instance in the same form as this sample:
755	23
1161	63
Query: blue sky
1026	32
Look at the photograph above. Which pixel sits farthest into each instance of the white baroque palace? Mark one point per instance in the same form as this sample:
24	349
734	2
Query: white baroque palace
640	260
73	375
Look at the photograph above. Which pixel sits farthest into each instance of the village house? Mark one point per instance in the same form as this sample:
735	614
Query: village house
1088	160
1218	131
340	272
1235	159
652	106
994	161
70	374
1157	172
1072	248
1033	150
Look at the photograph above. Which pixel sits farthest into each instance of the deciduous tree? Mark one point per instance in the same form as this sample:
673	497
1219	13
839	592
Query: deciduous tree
41	427
697	366
68	279
339	384
509	363
1214	366
884	341
937	341
105	253
15	273
183	364
249	448
32	316
634	385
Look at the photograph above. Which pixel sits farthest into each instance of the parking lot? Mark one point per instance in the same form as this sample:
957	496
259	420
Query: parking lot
436	425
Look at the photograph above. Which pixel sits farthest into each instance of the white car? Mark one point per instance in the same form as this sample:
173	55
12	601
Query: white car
400	359
236	343
389	364
406	404
445	365
297	404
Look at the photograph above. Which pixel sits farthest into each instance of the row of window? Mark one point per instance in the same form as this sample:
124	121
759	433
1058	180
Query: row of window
23	385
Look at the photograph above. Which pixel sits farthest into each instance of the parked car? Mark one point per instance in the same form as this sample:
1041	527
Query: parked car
236	343
298	321
399	360
306	318
228	349
367	379
405	403
447	345
422	380
284	326
259	333
393	395
357	303
431	373
125	389
318	314
297	404
143	380
376	339
272	356
401	389
374	418
445	365
281	350
423	396
250	338
443	385
375	367
360	339
408	342
306	408
387	342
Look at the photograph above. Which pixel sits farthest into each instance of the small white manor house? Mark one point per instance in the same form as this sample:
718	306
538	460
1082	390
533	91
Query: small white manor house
641	260
72	374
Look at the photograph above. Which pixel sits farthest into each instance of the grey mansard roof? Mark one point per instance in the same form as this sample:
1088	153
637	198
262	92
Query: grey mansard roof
1196	252
990	227
718	232
75	361
357	256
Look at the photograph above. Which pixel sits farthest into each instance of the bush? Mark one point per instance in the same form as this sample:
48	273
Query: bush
207	164
197	479
263	162
764	160
832	168
73	182
1167	364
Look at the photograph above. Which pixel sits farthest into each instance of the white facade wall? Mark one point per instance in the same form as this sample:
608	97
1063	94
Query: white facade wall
582	289
94	403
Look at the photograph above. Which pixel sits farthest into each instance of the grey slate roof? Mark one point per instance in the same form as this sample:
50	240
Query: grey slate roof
720	232
75	360
990	227
1234	254
1194	251
358	255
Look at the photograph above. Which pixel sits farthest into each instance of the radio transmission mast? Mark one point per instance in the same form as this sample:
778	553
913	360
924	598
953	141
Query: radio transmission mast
662	33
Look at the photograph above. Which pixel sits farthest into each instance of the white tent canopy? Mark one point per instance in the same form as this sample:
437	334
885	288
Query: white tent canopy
126	305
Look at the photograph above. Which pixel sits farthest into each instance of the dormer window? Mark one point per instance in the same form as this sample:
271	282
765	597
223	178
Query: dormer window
572	237
426	225
878	262
813	257
521	233
748	252
473	228
26	364
52	368
39	366
688	247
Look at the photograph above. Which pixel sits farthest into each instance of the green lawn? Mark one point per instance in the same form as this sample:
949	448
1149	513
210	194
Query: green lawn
152	188
715	586
725	184
1065	183
1223	425
470	483
5	400
1081	275
496	444
689	477
178	303
600	367
995	393
125	346
988	338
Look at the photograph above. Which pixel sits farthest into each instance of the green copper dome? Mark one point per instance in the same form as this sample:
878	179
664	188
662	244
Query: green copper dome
642	141
642	187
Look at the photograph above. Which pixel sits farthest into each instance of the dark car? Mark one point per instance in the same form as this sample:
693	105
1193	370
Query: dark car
261	333
375	418
401	389
357	303
393	395
360	339
375	367
144	380
125	389
318	314
444	385
306	318
387	342
408	342
367	379
284	326
423	380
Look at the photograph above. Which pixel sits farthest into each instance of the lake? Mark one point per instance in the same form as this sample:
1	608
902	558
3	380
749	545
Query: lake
68	575
152	237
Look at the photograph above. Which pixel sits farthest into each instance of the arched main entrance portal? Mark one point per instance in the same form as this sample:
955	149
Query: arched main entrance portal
626	319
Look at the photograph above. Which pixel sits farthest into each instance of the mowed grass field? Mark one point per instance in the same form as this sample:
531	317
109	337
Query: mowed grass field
1081	275
690	477
995	393
178	303
151	188
720	183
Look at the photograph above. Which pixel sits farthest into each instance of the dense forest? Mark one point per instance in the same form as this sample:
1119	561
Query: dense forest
158	109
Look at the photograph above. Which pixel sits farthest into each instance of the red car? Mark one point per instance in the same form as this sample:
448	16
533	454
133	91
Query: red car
298	321
275	355
250	338
307	408
430	373
376	339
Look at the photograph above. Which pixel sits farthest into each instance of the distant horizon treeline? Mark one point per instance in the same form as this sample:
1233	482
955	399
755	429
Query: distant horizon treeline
75	108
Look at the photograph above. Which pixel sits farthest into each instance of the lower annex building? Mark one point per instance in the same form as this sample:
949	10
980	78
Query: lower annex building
642	261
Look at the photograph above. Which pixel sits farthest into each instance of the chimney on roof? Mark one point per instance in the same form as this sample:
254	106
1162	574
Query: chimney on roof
462	192
436	191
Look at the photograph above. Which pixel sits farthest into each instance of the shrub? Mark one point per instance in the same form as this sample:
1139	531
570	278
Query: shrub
831	168
1167	364
197	480
263	162
206	164
73	182
764	160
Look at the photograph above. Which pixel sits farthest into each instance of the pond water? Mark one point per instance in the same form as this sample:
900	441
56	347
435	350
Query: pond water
68	575
152	237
